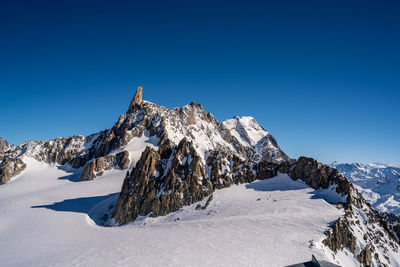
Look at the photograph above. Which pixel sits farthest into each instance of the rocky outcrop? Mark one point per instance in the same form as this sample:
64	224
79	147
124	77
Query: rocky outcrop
166	180
370	250
379	238
318	175
396	229
122	160
365	258
153	189
175	176
9	168
137	98
340	237
4	146
61	150
393	223
136	189
97	167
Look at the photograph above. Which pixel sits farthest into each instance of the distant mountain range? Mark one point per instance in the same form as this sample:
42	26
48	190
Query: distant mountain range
379	183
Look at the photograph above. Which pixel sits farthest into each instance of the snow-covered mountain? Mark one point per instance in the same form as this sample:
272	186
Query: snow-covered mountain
145	124
178	187
379	183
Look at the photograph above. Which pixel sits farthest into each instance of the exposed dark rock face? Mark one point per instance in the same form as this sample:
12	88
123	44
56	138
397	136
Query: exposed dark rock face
97	167
365	257
152	189
396	229
166	180
340	237
10	168
122	160
393	222
358	215
136	190
318	175
379	237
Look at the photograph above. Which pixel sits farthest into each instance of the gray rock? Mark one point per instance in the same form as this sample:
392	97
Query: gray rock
97	167
137	98
4	146
10	168
148	118
152	189
122	160
166	180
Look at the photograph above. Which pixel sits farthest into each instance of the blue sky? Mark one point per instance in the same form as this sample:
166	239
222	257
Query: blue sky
322	76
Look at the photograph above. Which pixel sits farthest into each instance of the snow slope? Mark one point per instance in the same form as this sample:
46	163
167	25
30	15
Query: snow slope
379	183
49	219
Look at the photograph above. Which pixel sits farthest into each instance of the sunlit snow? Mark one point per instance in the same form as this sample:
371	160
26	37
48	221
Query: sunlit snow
48	218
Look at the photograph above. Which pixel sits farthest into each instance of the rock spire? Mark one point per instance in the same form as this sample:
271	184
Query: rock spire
137	98
3	145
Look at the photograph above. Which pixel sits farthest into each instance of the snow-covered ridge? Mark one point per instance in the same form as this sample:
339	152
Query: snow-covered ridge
379	183
242	137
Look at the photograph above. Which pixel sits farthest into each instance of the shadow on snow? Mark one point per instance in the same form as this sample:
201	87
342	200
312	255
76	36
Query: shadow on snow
277	184
95	207
73	175
287	184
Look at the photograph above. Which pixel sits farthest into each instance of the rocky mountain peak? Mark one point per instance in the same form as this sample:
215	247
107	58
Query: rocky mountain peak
137	98
110	149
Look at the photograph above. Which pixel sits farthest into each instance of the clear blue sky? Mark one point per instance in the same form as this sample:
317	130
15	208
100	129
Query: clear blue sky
323	76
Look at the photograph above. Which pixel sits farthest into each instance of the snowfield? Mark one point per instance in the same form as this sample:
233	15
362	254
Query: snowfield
48	218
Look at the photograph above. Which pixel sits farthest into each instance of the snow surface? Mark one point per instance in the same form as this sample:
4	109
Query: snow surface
137	145
246	130
48	218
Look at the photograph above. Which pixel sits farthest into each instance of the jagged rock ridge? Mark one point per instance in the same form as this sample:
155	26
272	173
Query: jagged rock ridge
143	121
166	180
363	231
